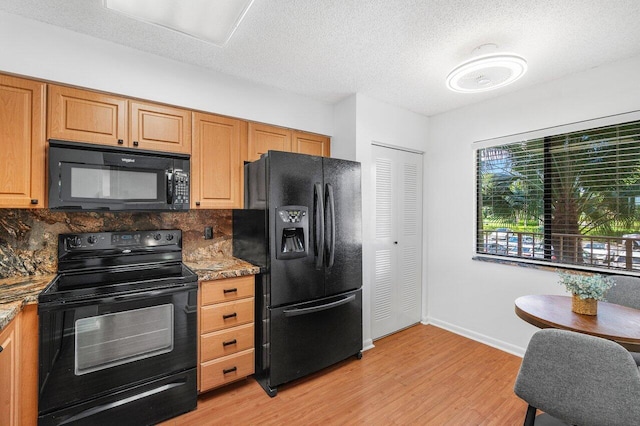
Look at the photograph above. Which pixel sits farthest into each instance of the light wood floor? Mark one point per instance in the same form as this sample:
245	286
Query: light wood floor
420	376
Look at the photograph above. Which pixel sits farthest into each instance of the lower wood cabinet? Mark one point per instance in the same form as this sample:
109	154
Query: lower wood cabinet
10	374
19	369
226	327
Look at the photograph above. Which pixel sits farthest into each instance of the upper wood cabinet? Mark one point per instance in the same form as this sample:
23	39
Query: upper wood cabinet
160	128
22	142
87	116
312	144
263	138
216	166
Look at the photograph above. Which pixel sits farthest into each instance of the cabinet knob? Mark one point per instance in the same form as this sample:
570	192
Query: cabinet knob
34	201
135	143
120	142
197	203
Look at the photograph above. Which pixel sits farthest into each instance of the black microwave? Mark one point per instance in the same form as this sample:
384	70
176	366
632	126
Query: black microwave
102	178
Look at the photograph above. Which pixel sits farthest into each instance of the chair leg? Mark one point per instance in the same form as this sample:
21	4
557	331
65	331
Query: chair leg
530	418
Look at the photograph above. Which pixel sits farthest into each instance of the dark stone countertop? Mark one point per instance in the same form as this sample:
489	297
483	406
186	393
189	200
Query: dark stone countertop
220	268
17	292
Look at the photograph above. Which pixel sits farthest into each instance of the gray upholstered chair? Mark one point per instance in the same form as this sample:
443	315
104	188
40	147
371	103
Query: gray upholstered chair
579	379
626	292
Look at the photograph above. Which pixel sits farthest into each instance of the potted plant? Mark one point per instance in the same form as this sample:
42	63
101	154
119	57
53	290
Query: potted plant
586	290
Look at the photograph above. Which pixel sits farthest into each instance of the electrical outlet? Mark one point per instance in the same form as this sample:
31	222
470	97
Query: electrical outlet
208	233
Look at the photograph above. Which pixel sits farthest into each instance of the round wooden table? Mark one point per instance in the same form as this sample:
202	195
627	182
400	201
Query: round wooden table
614	322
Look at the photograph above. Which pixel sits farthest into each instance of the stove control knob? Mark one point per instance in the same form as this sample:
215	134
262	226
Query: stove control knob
92	239
169	237
74	241
157	237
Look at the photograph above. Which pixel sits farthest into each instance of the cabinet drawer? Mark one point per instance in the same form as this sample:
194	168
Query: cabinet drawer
225	315
227	289
226	342
225	370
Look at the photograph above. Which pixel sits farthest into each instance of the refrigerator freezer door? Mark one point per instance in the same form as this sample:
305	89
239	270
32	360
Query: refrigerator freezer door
308	337
343	226
291	181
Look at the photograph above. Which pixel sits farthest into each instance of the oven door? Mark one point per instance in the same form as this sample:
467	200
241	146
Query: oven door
96	348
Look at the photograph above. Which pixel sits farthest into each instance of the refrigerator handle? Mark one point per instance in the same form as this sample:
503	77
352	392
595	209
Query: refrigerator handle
318	201
332	215
312	309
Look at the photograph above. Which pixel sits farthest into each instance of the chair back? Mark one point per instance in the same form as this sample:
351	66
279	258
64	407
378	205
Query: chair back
580	379
626	292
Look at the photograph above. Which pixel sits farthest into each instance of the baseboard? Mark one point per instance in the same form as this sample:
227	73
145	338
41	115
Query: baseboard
479	337
367	344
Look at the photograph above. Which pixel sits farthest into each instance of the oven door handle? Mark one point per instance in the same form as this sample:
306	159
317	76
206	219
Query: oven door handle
143	294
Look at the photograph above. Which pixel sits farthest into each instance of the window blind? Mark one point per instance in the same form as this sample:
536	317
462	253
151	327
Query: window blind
571	198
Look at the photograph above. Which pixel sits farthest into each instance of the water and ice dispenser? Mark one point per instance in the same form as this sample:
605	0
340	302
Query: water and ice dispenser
292	232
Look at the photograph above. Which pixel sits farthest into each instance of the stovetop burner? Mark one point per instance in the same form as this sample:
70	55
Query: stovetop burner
107	264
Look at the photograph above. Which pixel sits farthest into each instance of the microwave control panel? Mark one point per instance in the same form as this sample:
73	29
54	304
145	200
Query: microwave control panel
179	189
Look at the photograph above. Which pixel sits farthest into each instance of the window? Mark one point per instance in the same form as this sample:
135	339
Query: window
571	198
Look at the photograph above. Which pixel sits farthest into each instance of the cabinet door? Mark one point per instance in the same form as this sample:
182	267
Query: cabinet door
160	128
9	375
29	365
216	167
308	143
22	143
85	116
263	138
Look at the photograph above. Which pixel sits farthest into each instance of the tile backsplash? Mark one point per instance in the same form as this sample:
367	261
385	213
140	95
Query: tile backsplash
29	238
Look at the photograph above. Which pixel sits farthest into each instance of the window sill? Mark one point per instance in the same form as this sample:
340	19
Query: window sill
545	266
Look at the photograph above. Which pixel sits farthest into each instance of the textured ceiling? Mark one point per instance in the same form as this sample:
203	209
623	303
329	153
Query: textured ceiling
396	51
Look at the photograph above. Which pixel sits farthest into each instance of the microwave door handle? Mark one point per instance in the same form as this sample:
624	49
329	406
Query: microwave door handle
169	175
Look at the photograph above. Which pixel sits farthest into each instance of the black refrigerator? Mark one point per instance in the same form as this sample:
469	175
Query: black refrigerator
302	225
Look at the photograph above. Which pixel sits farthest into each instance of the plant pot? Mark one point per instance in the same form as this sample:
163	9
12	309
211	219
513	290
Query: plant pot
584	306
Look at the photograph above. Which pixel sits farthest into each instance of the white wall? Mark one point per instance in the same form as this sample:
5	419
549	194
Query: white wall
476	298
377	121
343	142
43	51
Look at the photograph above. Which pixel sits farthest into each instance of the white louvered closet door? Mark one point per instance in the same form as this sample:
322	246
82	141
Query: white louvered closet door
397	283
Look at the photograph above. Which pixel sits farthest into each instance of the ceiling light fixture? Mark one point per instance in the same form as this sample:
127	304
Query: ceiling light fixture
487	71
210	21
